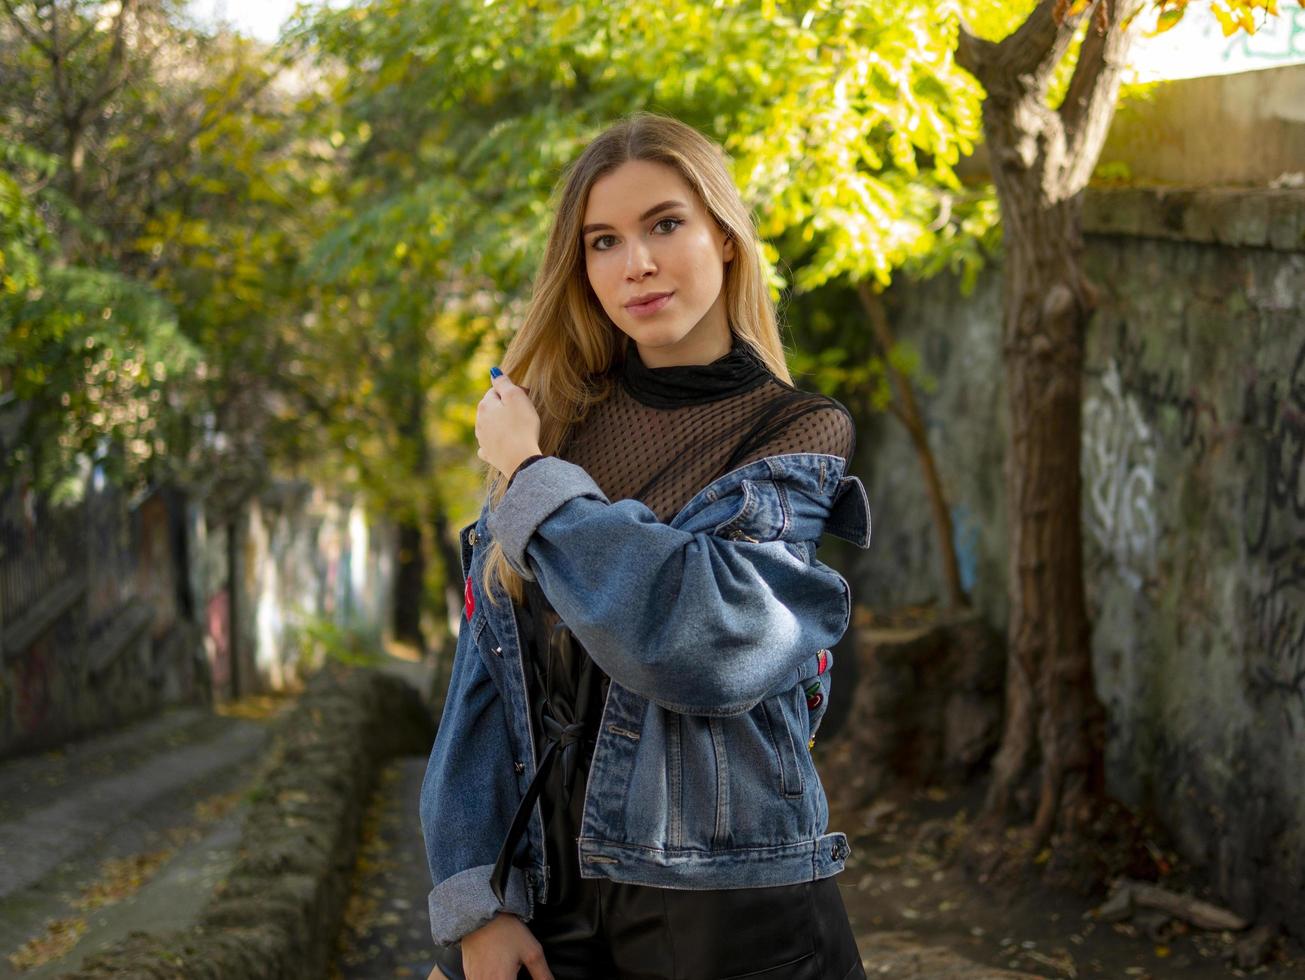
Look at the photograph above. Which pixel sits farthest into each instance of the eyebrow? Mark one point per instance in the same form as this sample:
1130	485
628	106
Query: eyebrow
656	208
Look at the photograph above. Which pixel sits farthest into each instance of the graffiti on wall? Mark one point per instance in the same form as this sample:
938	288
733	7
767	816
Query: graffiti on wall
1279	40
1121	441
1274	511
1119	456
217	639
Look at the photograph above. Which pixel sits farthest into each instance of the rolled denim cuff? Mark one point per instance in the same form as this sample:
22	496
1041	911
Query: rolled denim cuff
531	499
464	902
523	464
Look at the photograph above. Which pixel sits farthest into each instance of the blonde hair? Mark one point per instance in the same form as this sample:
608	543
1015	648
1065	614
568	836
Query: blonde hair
567	343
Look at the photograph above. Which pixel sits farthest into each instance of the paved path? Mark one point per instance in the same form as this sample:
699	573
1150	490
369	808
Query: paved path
122	832
386	933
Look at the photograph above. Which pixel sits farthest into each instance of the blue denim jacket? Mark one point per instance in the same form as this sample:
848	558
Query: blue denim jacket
711	628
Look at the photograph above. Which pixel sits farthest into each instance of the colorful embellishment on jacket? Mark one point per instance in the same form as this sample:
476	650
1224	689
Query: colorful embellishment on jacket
823	661
815	695
468	600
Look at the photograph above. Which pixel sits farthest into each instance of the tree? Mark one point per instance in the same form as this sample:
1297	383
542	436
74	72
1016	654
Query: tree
456	116
151	207
1041	158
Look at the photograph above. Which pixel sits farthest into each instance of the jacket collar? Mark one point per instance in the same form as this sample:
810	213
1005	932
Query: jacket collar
820	475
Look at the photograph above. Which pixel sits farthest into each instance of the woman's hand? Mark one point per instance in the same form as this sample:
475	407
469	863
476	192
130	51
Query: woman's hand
499	948
507	426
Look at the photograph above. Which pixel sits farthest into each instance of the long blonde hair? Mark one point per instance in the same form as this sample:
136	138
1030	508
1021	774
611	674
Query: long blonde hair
567	343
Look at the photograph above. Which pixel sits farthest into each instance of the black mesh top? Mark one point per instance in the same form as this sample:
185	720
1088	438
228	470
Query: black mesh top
660	436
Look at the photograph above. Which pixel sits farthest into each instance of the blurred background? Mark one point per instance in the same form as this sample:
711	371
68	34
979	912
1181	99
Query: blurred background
256	260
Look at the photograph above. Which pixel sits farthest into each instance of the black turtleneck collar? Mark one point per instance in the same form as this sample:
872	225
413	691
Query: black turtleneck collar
692	384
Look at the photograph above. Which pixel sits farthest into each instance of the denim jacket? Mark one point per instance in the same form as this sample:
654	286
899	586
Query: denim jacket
714	630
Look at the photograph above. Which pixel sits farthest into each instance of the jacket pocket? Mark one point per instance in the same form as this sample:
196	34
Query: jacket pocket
763	514
781	737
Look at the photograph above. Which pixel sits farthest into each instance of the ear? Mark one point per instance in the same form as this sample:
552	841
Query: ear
728	250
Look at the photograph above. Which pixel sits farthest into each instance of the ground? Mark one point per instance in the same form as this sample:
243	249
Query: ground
903	878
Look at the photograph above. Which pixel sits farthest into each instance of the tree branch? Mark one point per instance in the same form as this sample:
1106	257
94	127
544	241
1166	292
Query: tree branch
1023	61
973	53
33	38
116	69
1089	105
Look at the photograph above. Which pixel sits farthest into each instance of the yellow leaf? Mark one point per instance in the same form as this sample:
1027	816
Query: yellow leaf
1167	20
1225	18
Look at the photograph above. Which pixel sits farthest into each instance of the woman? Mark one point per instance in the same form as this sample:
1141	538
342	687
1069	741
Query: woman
621	786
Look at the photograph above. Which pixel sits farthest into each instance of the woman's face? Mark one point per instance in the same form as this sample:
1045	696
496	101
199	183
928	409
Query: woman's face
648	236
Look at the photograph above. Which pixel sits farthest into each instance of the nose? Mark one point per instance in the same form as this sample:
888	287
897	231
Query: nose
638	261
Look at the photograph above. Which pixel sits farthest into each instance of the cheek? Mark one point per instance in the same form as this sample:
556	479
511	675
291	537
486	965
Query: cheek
594	272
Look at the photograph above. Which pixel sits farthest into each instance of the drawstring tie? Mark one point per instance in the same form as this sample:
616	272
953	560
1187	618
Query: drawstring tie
563	730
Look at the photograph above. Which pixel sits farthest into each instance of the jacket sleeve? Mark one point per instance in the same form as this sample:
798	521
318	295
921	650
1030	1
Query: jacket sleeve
465	811
695	622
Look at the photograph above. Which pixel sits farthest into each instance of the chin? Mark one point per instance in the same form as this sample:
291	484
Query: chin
656	334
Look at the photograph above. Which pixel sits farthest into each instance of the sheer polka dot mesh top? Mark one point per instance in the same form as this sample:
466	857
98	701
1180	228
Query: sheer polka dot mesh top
665	433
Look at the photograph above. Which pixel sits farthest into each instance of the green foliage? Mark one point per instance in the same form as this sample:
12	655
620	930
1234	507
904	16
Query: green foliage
316	639
455	118
88	352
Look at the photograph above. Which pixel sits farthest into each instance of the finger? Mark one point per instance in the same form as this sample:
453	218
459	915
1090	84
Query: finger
537	966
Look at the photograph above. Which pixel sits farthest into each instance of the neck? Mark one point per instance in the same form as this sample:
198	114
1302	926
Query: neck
705	343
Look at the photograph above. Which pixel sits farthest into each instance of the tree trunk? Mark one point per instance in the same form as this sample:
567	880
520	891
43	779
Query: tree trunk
410	578
447	552
1054	721
1053	743
409	585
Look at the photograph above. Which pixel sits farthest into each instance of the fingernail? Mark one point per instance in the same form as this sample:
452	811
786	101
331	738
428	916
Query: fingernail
494	372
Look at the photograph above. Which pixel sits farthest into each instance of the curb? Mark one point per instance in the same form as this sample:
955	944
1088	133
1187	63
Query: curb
277	915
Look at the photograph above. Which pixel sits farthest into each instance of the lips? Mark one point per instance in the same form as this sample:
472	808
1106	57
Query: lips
648	303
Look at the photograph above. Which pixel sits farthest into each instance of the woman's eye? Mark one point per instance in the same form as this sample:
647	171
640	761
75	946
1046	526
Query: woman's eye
598	244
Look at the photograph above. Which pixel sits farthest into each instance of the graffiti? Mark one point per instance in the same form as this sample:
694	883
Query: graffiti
1274	508
1119	457
1277	39
965	539
217	640
1160	389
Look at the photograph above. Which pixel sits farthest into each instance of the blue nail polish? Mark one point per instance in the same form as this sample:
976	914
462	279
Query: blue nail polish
494	372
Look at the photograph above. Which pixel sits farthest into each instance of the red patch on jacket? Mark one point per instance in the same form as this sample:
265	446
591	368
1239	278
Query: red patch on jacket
468	599
823	661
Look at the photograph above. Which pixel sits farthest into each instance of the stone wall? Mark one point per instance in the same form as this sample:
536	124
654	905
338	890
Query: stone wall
1193	513
111	609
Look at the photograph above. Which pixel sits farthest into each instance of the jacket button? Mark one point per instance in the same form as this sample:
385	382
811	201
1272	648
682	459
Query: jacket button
473	537
519	767
498	651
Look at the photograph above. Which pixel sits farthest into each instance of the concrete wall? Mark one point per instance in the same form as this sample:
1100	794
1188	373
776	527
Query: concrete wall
1193	516
1245	128
302	556
112	609
93	626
